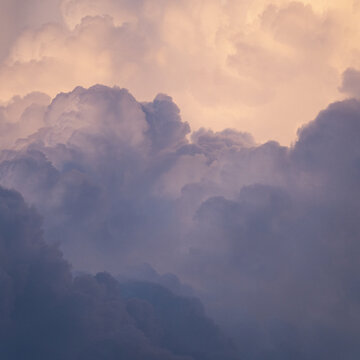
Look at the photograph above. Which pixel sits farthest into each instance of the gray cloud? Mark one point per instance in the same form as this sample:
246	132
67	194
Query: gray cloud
287	255
46	312
266	235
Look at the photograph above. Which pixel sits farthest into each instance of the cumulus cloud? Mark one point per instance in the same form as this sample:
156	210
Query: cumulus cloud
266	235
103	162
22	117
291	249
46	312
243	65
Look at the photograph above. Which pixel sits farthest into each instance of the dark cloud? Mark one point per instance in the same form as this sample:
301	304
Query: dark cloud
46	313
287	256
266	235
145	272
165	126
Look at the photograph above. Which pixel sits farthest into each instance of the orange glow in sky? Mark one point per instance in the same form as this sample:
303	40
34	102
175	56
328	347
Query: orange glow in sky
264	67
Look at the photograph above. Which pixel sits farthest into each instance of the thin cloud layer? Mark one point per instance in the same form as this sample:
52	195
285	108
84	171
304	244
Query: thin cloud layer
266	235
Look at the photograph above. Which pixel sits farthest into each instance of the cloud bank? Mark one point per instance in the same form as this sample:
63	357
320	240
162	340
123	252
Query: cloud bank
266	235
244	65
46	312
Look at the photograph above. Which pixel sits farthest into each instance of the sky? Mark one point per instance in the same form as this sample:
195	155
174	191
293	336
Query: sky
228	64
179	180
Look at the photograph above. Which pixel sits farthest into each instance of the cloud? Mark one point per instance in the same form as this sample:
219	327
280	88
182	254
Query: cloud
265	235
227	64
145	272
286	255
48	313
17	15
69	170
350	82
22	117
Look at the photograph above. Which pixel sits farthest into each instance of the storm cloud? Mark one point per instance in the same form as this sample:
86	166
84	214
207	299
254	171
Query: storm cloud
46	312
266	235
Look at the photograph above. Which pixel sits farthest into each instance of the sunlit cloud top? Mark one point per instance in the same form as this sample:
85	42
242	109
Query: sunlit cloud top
260	66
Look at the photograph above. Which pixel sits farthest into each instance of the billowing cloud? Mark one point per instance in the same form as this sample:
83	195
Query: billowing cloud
286	256
103	162
46	312
244	65
266	235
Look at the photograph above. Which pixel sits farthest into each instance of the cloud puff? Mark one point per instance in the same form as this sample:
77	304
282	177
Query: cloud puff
70	171
266	235
22	117
351	82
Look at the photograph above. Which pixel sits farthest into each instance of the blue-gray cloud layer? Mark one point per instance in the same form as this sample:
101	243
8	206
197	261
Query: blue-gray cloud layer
46	313
266	235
